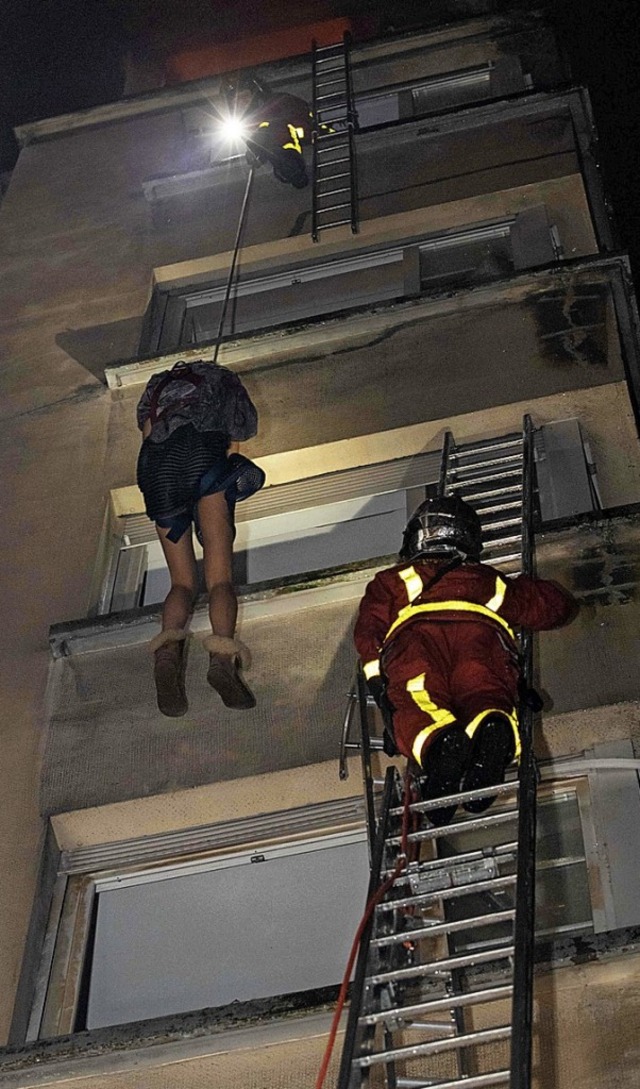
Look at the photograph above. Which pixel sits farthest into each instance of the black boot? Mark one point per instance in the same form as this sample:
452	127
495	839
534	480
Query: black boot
492	750
168	672
445	762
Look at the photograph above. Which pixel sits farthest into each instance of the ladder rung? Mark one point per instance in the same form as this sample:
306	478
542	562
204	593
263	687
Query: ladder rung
475	824
333	193
446	965
492	474
474	1081
492	508
503	459
450	1002
502	850
502	533
460	798
489	444
471	1039
338	107
333	177
334	207
444	928
472	496
324	137
334	223
503	524
466	823
500	519
504	853
510	449
451	893
510	557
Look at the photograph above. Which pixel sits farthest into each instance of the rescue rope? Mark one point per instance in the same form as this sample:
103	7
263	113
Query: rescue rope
234	259
372	904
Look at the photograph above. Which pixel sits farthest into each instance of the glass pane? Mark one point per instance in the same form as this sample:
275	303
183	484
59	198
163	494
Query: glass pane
258	926
562	899
562	889
559	828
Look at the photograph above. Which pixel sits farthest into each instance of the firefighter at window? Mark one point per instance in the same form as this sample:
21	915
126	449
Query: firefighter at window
435	638
276	127
190	473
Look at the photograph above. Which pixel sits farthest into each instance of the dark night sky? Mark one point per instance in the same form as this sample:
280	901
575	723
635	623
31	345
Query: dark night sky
62	55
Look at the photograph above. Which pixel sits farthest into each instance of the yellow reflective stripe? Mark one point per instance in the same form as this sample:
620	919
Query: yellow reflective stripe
372	668
440	716
412	581
264	124
513	719
410	611
293	133
300	133
418	744
495	602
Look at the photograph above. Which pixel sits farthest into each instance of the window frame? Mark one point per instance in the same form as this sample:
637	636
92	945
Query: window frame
165	327
81	873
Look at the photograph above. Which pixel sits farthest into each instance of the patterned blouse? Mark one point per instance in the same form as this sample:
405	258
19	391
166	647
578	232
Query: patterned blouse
214	400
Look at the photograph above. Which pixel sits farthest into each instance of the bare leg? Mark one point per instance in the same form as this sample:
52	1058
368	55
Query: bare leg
226	654
181	561
217	541
169	645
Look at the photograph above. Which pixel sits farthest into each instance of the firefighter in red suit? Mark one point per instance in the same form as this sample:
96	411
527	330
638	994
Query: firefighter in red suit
435	638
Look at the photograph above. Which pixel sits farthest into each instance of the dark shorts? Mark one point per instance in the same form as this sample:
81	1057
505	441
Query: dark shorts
175	474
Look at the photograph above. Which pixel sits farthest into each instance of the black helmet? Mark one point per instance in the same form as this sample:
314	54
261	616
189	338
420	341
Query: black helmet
442	524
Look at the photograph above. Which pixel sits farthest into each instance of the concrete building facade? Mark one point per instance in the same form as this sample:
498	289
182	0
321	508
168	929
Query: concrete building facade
142	942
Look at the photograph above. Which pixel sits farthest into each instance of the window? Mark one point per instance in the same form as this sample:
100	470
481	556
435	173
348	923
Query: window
139	940
436	94
333	520
455	258
287	530
167	924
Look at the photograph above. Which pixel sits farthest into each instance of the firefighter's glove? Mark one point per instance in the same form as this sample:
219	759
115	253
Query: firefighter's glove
376	689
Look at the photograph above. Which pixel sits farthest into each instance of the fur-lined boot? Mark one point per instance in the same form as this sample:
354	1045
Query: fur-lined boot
169	650
226	658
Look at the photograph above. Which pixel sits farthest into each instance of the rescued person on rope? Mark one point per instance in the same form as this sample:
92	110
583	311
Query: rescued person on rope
435	637
192	418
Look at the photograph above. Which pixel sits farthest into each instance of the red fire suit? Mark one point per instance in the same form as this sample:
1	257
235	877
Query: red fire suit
449	653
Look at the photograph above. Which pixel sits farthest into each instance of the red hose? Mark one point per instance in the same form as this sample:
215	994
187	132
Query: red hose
373	902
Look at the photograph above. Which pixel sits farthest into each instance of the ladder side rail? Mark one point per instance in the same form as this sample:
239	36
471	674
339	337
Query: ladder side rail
352	124
345	738
365	752
314	141
448	447
524	933
347	1070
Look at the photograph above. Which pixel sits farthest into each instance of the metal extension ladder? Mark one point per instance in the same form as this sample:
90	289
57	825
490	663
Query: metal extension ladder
334	191
442	994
